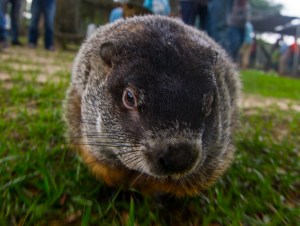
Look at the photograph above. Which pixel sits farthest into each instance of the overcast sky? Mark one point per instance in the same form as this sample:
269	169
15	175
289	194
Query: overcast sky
291	7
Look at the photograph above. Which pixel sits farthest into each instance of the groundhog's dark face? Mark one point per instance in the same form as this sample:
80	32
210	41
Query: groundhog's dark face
153	107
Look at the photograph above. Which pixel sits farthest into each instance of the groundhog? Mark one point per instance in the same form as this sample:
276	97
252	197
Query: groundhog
152	105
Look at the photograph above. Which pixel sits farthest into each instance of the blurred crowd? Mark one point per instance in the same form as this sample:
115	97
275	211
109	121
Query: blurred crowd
226	21
282	56
11	23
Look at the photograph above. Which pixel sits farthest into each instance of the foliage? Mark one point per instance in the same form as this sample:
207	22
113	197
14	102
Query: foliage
270	85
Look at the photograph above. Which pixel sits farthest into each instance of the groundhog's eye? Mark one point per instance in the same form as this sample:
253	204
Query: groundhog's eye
129	99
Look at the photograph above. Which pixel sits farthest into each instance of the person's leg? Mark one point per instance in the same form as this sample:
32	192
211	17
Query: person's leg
246	60
235	40
3	4
217	20
15	19
283	62
49	12
203	13
188	12
34	23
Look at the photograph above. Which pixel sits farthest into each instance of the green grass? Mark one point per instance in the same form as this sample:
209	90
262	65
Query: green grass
270	85
43	182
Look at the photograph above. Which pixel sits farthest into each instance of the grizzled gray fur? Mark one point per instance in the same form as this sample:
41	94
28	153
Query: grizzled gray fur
153	104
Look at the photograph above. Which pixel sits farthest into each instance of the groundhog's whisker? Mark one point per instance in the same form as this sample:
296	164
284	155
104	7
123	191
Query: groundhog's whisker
110	157
110	136
98	136
130	161
101	140
88	122
138	177
133	161
107	136
104	145
106	133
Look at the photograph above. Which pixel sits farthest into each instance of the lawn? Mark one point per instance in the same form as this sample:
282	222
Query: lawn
271	85
43	182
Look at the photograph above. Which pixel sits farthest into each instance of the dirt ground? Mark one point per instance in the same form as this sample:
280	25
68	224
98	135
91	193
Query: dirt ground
45	66
249	101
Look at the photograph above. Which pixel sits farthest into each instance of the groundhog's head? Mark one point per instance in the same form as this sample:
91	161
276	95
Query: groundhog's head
150	100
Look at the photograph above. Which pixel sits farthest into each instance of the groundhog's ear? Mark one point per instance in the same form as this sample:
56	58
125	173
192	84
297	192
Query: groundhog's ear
107	51
214	56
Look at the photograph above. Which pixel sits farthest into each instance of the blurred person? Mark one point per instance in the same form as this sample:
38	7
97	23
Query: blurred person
283	57
275	54
201	10
191	9
218	12
15	12
188	11
246	48
292	50
47	8
158	7
2	30
117	12
237	20
253	52
126	8
90	29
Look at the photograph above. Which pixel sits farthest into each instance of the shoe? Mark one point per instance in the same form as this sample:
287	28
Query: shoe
31	46
16	43
51	48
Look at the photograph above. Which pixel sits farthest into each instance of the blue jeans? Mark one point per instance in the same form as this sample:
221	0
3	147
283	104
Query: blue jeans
235	40
217	20
188	12
15	18
2	23
47	8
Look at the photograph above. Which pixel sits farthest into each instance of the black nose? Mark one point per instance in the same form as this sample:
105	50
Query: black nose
177	158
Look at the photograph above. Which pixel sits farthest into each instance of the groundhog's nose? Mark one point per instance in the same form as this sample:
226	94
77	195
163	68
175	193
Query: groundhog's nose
178	158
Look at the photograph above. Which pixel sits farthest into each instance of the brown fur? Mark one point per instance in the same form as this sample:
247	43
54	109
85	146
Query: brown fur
115	177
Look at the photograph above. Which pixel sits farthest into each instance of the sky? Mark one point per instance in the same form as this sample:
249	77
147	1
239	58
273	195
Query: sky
291	7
